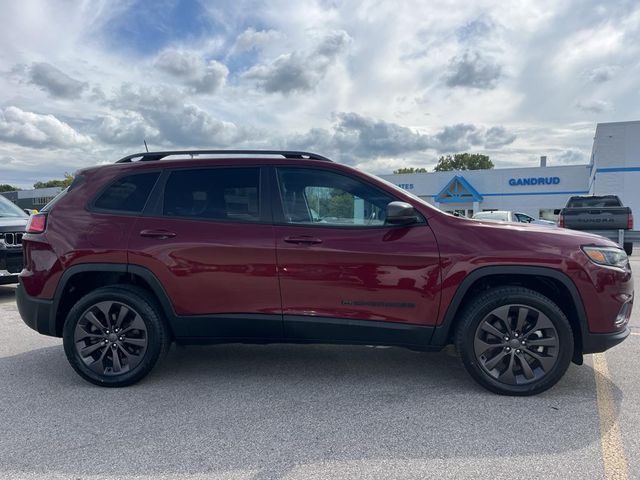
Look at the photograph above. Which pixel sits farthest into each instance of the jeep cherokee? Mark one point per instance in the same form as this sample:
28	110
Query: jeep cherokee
279	246
13	221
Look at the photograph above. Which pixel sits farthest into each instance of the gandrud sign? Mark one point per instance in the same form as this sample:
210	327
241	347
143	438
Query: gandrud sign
517	182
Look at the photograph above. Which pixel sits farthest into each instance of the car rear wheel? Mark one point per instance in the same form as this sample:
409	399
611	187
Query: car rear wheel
114	336
514	341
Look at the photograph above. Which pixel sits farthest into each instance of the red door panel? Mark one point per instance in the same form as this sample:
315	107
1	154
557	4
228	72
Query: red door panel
210	267
390	274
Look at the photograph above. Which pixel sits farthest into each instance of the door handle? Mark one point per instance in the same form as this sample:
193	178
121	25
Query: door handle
160	234
302	240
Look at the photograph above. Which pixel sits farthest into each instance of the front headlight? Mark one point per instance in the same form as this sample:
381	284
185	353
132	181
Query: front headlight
608	256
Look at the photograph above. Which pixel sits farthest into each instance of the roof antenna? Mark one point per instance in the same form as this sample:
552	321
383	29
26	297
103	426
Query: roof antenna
145	144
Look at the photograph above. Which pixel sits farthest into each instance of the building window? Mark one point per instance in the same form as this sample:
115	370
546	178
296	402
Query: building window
37	201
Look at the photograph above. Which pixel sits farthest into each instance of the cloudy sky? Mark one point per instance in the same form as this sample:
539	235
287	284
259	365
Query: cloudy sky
375	84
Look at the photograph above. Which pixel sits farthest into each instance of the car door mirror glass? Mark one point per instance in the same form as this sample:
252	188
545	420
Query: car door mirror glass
401	213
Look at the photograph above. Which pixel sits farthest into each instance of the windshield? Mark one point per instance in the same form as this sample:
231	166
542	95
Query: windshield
10	209
492	216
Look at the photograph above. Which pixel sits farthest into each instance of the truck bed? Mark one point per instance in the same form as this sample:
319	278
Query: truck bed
605	218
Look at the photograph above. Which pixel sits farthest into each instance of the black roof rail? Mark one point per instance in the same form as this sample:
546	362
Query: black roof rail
150	156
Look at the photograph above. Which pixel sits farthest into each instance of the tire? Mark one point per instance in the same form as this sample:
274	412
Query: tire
497	358
628	248
140	340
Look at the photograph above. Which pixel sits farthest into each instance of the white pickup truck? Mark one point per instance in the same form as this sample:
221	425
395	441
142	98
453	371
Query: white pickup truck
509	216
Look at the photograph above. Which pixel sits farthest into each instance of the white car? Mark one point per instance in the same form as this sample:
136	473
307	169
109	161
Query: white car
508	216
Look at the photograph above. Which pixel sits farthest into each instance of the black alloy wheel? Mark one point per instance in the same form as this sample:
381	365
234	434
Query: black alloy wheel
514	341
113	336
516	344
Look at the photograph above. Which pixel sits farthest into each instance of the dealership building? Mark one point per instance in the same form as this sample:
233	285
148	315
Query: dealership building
32	199
614	168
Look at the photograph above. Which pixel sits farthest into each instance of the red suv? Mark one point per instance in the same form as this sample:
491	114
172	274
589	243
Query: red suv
278	246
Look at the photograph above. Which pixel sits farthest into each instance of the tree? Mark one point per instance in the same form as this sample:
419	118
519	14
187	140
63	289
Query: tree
463	161
68	178
340	204
411	170
7	188
330	202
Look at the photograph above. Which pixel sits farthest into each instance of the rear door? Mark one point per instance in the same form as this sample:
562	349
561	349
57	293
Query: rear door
209	239
345	274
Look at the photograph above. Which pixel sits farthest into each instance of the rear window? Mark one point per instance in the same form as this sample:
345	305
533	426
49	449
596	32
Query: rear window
128	194
214	193
595	202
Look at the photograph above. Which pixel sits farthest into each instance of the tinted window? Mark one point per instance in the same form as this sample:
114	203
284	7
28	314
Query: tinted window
128	194
214	193
311	196
595	202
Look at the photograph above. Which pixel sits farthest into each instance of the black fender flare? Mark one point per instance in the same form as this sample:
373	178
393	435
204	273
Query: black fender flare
443	332
138	270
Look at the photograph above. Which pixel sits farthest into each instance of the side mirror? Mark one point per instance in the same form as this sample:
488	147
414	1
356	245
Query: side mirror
556	211
401	213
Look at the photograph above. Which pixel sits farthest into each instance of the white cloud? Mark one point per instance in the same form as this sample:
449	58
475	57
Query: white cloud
55	82
166	116
497	137
252	39
129	128
299	71
190	68
602	74
594	106
356	139
378	84
572	156
473	70
38	131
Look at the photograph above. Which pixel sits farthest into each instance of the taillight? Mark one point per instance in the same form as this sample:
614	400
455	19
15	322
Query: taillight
561	220
37	223
630	221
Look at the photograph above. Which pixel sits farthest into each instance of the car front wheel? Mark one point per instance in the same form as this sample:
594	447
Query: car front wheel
514	341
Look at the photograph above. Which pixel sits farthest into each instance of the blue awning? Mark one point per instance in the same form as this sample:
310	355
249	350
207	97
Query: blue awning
458	190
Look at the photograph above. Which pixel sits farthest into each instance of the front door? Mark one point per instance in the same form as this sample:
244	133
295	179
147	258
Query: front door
345	275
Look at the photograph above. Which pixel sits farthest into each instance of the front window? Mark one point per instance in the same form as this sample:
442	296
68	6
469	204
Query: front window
313	196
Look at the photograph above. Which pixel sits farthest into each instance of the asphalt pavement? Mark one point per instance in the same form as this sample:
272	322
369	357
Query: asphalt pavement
309	412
